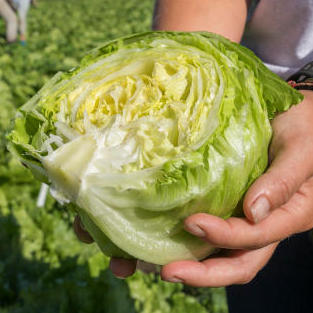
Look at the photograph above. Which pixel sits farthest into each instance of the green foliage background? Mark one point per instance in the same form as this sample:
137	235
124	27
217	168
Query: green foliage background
43	267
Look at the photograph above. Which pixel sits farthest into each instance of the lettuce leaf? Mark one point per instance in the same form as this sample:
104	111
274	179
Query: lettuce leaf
148	130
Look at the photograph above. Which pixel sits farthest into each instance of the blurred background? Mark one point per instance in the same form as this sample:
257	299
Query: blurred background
43	267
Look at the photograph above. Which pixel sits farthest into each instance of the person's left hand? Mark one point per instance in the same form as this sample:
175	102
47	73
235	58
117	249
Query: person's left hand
277	205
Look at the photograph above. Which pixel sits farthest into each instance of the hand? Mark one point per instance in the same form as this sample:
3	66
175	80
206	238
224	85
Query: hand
277	205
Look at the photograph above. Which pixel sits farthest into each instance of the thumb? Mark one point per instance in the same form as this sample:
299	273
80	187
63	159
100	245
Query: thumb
288	171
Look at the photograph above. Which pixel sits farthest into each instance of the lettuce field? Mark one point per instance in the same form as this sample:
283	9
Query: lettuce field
43	266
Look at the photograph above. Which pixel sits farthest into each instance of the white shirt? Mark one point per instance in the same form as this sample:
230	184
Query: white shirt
280	32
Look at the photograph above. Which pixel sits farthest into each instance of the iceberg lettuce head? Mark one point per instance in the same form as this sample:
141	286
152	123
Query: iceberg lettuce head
148	130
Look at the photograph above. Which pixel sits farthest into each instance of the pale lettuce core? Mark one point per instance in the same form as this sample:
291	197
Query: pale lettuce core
148	130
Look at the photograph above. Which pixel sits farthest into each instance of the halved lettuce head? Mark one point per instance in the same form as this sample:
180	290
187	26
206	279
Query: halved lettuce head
148	130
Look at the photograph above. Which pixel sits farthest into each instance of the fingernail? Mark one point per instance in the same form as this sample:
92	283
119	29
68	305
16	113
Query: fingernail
174	280
260	209
195	230
120	277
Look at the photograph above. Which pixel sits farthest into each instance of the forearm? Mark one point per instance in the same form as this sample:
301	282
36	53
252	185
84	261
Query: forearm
224	17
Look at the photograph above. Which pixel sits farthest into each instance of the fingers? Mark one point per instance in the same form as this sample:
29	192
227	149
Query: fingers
123	268
81	233
291	151
286	174
239	267
237	233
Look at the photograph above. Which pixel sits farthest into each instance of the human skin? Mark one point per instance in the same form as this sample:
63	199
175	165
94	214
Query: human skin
278	204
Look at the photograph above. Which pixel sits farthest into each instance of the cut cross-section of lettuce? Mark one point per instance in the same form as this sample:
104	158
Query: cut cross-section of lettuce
148	130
